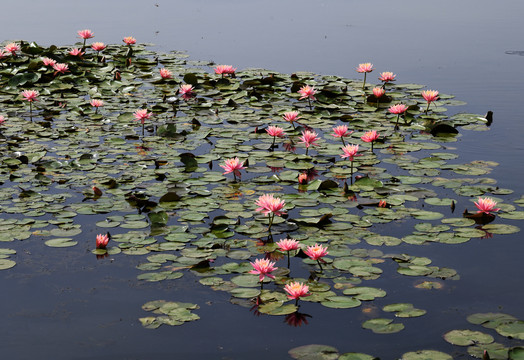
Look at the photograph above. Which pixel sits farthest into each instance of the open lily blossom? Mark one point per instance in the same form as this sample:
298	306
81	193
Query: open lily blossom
370	136
268	204
186	90
350	151
85	34
341	131
232	165
96	103
316	251
307	92
275	131
98	46
430	96
101	241
142	115
398	109
76	52
486	205
2	119
12	48
288	244
387	76
263	268
48	62
225	70
30	95
165	73
296	290
129	40
291	116
365	68
309	138
378	92
60	68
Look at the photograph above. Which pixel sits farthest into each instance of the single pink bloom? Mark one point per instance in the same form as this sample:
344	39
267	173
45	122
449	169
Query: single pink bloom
232	165
101	241
263	267
165	73
225	69
76	52
291	116
296	290
60	68
316	251
370	136
378	91
430	95
85	34
387	76
30	95
341	131
398	109
486	205
350	151
365	68
48	62
2	119
309	138
12	48
96	103
98	46
275	131
302	179
129	40
288	244
186	89
269	204
141	115
382	204
307	92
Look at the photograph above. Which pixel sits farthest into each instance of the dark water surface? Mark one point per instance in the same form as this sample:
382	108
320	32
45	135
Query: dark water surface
66	305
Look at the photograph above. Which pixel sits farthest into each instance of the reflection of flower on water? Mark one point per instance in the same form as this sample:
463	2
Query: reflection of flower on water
296	319
487	234
255	306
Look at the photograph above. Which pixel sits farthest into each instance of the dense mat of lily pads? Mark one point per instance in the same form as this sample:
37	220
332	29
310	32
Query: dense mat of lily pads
73	157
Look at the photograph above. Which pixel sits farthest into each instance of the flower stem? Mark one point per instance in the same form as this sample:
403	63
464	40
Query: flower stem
271	217
427	109
364	85
318	261
343	142
288	261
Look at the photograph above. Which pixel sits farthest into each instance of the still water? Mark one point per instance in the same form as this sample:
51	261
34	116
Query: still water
67	305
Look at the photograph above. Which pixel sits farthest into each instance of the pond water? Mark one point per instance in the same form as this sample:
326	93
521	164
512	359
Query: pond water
67	304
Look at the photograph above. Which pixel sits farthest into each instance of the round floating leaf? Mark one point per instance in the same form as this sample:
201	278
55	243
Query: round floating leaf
6	264
364	292
516	353
341	302
314	352
501	228
245	293
426	355
61	242
382	326
467	337
277	308
496	351
490	320
404	310
513	330
356	356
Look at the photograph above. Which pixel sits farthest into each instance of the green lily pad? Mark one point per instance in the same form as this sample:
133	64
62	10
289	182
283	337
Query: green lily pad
61	242
467	337
314	352
426	355
6	264
382	326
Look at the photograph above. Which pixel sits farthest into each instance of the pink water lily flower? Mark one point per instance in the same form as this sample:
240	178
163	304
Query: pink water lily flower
296	290
350	151
76	52
365	68
85	34
142	115
233	165
268	204
309	138
263	268
370	136
275	131
129	40
387	76
292	117
225	70
378	91
486	205
307	92
48	62
30	95
165	73
430	96
60	68
398	109
2	119
316	251
98	46
186	90
101	241
12	48
96	103
341	131
288	244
